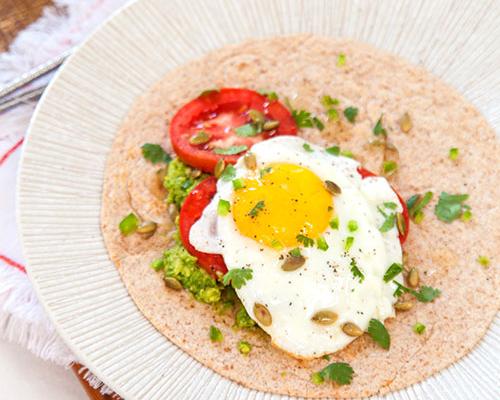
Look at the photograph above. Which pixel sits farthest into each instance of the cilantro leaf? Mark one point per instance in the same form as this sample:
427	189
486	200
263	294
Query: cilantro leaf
155	153
228	174
392	271
338	372
247	130
351	113
256	209
302	118
378	129
426	294
237	277
379	334
307	242
450	206
356	271
230	150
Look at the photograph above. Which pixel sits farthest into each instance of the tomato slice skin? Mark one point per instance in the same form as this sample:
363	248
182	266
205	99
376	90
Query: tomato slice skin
191	211
216	111
406	216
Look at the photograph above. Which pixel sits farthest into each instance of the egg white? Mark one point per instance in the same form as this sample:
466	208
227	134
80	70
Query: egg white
325	281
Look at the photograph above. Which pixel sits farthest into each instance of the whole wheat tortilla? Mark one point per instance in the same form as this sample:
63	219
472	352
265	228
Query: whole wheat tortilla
303	68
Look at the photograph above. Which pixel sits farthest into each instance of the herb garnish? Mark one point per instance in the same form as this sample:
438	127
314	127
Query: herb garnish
318	123
450	206
426	294
321	243
378	129
237	277
129	224
453	153
356	271
328	101
302	118
415	205
265	171
247	130
238	184
244	347
334	223
352	226
379	334
341	60
389	167
334	150
271	96
155	153
392	271
215	334
390	204
307	242
348	243
419	328
228	174
295	252
484	261
223	207
332	114
338	372
230	150
389	223
256	209
351	113
307	147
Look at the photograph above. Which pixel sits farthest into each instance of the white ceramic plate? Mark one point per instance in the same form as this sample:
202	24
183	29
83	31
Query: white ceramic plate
74	125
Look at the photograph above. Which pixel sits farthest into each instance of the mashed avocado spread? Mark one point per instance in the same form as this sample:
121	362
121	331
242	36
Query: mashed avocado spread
179	181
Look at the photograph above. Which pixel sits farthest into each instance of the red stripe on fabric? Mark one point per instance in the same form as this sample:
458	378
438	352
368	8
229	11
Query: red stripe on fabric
12	263
11	150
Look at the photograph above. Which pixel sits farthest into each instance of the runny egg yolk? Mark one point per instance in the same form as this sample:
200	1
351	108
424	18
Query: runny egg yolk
284	201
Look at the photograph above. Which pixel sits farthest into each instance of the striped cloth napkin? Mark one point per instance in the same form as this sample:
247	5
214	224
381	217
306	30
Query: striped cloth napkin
22	319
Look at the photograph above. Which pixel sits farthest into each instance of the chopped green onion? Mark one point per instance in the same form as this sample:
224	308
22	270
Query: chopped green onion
466	216
453	154
348	243
334	223
328	101
129	224
228	173
215	334
318	123
244	347
321	243
341	60
378	129
484	261
389	167
419	328
352	226
333	114
238	184
223	207
256	209
347	153
295	252
334	150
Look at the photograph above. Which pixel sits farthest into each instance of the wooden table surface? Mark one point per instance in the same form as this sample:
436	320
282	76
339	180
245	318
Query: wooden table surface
15	15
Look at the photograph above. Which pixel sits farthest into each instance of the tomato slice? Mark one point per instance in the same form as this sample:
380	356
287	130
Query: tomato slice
402	238
191	211
218	113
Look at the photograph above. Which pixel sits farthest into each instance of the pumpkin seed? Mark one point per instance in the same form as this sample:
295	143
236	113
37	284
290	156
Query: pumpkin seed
270	125
332	187
219	167
172	283
262	314
256	116
351	329
403	305
147	229
413	279
401	224
195	173
324	317
250	161
199	138
293	262
405	123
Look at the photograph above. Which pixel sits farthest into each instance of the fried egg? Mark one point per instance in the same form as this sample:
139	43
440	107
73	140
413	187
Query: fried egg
296	197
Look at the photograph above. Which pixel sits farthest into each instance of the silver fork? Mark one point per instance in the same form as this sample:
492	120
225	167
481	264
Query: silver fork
13	94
